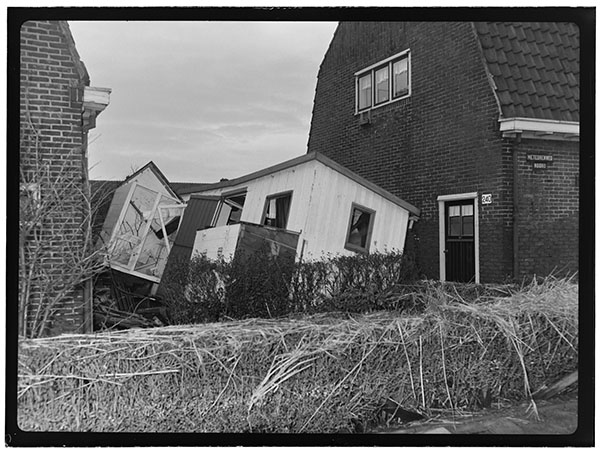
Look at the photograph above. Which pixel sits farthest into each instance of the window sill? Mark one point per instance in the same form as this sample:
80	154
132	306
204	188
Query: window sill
358	112
356	249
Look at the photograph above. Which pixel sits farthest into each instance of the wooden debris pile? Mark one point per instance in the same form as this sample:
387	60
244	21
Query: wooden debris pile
108	315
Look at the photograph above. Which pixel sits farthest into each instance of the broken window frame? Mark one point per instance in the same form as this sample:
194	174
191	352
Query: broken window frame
226	200
275	196
354	247
146	228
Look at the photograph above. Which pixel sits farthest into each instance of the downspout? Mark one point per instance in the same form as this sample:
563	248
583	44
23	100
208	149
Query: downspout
88	288
516	269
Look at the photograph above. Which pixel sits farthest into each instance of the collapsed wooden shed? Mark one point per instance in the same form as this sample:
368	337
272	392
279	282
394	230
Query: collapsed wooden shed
324	206
141	224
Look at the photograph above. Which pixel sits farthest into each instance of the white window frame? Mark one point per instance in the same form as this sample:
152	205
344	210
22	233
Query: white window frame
389	62
442	199
371	227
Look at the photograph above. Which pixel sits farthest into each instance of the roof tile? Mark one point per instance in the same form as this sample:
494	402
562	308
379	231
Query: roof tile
520	59
529	35
494	69
500	83
535	75
501	56
490	55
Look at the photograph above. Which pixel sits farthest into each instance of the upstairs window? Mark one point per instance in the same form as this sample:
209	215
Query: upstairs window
364	92
383	82
382	85
277	210
400	78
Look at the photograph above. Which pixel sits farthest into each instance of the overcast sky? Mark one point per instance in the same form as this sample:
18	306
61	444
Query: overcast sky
203	100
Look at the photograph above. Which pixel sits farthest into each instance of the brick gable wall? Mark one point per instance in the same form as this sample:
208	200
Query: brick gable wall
444	139
53	145
441	140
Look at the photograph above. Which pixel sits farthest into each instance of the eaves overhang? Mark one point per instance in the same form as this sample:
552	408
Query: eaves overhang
539	128
95	100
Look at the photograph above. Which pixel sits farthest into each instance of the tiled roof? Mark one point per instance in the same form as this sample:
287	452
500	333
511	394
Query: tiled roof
535	67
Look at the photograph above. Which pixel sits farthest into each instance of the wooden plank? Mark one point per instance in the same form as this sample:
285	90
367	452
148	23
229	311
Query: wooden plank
556	388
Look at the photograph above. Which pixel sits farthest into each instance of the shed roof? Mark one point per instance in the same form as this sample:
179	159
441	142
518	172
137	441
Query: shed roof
535	68
298	161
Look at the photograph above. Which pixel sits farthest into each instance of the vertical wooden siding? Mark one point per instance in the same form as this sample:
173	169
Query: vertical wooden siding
320	208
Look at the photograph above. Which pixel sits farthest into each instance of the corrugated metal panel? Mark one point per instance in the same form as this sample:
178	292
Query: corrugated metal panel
198	215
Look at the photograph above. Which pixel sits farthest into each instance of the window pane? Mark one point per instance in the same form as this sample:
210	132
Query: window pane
364	92
454	226
467	209
359	228
453	211
278	209
400	77
382	90
468	226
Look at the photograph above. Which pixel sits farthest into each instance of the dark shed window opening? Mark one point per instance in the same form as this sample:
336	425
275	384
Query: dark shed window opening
231	209
360	229
278	210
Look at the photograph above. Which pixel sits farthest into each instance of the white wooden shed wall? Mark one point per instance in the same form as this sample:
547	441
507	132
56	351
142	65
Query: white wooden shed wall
320	208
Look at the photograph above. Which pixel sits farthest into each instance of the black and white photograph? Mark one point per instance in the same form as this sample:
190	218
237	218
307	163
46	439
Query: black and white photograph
300	226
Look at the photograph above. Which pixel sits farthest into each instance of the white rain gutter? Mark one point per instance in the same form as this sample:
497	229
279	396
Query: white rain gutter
539	128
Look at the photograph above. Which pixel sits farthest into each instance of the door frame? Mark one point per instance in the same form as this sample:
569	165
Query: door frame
442	199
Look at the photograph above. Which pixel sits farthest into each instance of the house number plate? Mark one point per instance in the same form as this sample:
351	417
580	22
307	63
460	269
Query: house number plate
486	198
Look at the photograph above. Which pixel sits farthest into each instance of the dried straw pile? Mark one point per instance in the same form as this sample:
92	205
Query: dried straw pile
325	373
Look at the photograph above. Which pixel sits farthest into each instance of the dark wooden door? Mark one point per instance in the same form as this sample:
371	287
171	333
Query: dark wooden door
460	241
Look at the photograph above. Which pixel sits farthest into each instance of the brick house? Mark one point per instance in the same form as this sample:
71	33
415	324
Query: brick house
57	109
475	124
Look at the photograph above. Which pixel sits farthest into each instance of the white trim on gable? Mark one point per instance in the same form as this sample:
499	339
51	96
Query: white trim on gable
539	128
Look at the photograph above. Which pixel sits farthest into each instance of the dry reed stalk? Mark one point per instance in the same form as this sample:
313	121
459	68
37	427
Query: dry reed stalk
421	369
223	390
282	369
357	366
412	383
444	368
541	319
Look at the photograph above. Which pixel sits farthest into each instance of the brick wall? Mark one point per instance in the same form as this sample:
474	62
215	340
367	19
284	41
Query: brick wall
441	140
52	153
548	208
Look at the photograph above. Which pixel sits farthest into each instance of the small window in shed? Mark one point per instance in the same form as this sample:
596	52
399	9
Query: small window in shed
277	210
231	209
360	229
